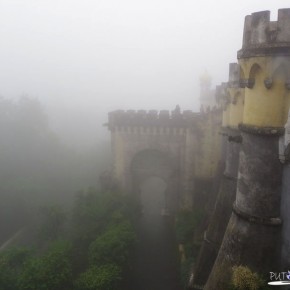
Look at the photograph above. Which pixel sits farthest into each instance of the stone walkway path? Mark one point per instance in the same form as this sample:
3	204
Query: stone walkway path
156	260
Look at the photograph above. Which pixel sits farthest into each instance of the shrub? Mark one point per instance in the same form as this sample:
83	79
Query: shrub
106	277
11	262
52	271
186	224
244	279
113	246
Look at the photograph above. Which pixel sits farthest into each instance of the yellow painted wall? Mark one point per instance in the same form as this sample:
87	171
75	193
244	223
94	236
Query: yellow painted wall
226	116
264	107
236	107
209	146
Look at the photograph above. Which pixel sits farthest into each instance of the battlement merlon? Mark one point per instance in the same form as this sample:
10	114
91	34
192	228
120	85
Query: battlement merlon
264	37
144	118
221	94
234	75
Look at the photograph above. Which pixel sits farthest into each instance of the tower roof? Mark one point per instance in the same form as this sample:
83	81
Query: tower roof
205	79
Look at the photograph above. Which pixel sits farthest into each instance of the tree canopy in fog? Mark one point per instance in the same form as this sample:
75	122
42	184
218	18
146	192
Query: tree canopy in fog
36	167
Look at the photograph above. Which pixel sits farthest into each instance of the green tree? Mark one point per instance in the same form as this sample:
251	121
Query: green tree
11	263
106	277
51	271
113	246
101	218
92	212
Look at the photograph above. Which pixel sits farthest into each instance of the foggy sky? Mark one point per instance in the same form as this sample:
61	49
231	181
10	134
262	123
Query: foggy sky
83	58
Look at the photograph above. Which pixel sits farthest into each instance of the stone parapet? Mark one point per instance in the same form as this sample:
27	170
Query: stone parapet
152	118
234	75
264	37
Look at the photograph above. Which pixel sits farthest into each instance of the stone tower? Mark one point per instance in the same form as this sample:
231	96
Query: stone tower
252	237
232	98
207	95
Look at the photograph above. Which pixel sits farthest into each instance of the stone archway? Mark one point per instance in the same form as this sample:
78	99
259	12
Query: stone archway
153	163
153	197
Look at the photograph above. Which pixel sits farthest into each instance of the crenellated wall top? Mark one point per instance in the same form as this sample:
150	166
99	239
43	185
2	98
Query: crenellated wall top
221	95
234	75
264	37
152	118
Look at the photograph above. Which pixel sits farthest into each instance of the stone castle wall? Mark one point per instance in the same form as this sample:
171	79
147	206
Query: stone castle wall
242	135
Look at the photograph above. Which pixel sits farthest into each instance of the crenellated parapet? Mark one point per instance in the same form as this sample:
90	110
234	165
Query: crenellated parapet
221	92
221	95
234	75
265	68
236	96
230	96
152	118
264	37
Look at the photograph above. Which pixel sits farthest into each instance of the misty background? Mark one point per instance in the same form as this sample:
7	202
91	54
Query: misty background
81	59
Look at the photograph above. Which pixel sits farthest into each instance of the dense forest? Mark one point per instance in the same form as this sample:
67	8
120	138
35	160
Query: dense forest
86	248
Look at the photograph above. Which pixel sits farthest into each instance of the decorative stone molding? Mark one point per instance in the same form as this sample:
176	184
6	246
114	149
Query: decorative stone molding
249	83
267	221
266	131
236	139
268	82
280	49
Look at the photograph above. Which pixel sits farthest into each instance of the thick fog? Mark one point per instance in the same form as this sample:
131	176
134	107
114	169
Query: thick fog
81	59
64	64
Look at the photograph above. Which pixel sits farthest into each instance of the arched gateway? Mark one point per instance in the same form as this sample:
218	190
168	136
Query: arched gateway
164	145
